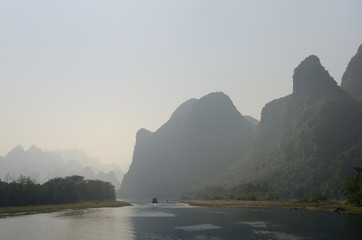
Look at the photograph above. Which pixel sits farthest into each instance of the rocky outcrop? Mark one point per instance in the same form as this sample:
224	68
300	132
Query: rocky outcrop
312	79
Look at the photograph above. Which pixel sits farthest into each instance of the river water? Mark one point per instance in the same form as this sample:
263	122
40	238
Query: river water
180	221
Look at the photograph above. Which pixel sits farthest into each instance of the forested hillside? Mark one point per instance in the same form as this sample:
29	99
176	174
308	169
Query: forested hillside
308	141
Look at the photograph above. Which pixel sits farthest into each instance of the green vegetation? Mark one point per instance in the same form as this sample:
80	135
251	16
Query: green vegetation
354	188
307	142
292	204
25	192
315	197
259	195
248	191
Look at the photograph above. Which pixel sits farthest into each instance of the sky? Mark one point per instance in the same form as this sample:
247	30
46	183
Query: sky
89	74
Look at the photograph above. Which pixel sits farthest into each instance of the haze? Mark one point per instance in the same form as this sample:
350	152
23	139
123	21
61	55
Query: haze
89	74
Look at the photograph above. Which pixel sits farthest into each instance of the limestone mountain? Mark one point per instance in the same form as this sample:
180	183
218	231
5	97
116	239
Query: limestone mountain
352	77
33	163
308	141
201	139
95	165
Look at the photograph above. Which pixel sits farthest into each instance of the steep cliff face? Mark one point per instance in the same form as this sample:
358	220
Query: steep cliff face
352	77
201	139
303	137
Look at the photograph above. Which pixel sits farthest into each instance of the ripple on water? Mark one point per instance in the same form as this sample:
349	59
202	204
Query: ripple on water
153	214
256	224
199	227
278	235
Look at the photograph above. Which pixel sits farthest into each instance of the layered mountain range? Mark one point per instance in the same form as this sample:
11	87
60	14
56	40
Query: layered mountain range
308	141
44	165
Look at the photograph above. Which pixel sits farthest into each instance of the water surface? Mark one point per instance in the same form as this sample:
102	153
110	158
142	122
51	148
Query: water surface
180	221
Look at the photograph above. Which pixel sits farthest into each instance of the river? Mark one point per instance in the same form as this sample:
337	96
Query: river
180	221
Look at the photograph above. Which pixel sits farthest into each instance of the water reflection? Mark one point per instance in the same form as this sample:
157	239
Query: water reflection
107	223
179	221
198	227
34	226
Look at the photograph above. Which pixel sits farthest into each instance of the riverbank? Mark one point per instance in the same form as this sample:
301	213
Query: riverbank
58	207
292	204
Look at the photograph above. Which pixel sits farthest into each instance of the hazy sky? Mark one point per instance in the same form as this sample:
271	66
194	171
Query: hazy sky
88	74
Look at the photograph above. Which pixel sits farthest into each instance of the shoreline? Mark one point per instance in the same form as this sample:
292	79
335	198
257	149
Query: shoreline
323	206
20	210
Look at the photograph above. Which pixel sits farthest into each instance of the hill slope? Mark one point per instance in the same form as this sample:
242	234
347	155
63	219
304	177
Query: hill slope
307	141
352	78
202	138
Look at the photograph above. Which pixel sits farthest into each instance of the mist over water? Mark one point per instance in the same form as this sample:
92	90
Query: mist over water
180	221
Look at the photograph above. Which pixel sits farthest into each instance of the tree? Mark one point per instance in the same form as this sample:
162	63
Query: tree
354	187
61	190
25	191
317	196
4	195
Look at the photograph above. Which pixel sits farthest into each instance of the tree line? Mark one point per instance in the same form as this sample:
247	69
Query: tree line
354	187
247	191
261	191
24	191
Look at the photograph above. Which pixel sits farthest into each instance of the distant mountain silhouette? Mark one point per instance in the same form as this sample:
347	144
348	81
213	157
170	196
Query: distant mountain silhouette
84	160
42	166
352	77
202	138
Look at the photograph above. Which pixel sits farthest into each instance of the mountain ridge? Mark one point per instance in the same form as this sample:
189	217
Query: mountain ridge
352	77
301	137
306	142
184	145
44	165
